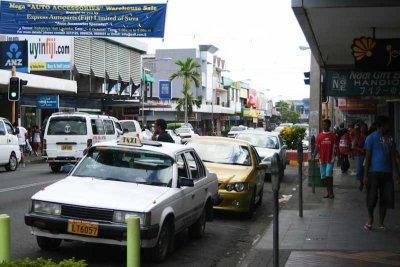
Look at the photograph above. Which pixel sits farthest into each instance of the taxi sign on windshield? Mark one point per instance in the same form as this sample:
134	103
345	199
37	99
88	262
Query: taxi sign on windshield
130	140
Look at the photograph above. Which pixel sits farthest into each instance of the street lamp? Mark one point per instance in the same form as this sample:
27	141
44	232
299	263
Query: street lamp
144	85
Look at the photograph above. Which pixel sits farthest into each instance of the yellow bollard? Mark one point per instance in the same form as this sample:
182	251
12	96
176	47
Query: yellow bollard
133	242
5	238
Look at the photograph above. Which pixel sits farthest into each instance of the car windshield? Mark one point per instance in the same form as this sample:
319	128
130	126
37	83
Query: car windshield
182	130
67	126
260	140
237	128
223	153
127	165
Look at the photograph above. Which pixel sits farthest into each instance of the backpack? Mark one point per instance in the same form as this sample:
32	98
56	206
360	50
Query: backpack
344	144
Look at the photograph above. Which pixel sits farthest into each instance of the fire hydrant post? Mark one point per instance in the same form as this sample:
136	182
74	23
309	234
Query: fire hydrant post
133	242
5	238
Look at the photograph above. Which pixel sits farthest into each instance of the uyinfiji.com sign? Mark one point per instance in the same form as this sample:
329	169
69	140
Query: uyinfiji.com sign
347	83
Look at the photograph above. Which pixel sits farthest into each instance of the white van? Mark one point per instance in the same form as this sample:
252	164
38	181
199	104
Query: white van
10	154
132	126
67	135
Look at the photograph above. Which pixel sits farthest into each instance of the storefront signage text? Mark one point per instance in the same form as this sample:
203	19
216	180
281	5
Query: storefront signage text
47	102
358	83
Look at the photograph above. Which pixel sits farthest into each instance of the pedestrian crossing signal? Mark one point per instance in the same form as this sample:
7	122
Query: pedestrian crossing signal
14	89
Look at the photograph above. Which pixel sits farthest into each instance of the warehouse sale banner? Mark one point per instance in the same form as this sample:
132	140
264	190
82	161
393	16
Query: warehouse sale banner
141	20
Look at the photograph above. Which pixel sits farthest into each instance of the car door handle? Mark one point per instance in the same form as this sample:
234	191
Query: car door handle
193	196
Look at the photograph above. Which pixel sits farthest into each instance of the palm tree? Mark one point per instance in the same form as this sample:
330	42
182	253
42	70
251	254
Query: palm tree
188	72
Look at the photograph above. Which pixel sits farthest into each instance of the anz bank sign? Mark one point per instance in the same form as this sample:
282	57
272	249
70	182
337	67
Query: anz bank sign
14	53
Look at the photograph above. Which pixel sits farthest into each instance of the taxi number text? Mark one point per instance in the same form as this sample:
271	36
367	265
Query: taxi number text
83	228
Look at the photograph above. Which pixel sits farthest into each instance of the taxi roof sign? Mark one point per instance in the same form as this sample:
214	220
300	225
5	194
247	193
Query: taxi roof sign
130	140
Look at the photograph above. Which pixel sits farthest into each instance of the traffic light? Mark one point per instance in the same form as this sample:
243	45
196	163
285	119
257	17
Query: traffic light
14	89
307	78
22	83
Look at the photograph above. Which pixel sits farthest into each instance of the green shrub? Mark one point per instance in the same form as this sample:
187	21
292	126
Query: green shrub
40	262
291	135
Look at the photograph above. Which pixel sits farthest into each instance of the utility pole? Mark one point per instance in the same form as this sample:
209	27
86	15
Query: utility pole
13	74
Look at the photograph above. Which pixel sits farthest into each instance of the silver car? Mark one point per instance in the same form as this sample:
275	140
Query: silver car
266	144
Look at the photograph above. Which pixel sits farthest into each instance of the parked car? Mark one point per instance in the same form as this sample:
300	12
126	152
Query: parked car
235	130
186	133
10	154
67	135
266	144
239	170
147	134
177	139
166	185
131	126
175	125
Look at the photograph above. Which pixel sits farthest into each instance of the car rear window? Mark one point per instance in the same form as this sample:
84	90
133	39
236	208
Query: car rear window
67	126
130	126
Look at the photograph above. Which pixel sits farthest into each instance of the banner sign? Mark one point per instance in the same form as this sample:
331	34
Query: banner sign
47	102
165	90
357	105
47	53
141	20
376	54
14	53
347	83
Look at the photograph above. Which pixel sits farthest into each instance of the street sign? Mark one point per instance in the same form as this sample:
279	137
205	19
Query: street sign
165	89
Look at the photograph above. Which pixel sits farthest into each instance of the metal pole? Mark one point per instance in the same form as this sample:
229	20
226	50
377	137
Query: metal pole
133	242
300	162
143	92
13	111
5	238
275	181
313	164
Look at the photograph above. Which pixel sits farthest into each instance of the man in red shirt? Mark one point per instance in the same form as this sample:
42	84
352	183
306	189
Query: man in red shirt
326	145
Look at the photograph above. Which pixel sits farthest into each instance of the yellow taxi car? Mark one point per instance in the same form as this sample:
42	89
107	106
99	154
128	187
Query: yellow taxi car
239	170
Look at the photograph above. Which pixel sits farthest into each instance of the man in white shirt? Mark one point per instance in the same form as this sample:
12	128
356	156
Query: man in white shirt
22	135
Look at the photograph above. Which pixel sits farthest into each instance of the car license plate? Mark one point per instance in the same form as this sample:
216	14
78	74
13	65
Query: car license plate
83	227
66	147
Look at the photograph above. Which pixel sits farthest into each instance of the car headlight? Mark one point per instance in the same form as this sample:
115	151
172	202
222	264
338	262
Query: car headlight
46	207
238	187
122	217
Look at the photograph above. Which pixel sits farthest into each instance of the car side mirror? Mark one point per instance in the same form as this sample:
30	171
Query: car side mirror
262	166
185	182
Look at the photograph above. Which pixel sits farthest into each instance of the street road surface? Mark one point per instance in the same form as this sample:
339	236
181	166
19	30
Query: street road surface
226	239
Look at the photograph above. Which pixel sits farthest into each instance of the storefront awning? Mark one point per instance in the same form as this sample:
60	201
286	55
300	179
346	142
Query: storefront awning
149	78
38	84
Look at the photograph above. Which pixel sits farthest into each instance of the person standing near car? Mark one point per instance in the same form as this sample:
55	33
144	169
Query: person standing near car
343	136
160	134
22	136
326	146
380	160
36	140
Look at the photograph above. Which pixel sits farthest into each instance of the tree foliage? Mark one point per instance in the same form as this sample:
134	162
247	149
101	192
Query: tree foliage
288	112
291	136
189	73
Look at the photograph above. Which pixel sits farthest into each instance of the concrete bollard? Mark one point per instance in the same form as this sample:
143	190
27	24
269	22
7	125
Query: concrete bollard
133	242
5	238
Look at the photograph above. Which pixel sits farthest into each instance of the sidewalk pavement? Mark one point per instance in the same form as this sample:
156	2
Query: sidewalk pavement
331	231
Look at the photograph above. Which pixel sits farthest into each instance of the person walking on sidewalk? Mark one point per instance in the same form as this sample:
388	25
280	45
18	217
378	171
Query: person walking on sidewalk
326	146
22	135
343	136
380	158
359	153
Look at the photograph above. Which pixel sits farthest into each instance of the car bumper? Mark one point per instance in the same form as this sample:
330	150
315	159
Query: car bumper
233	201
56	227
61	159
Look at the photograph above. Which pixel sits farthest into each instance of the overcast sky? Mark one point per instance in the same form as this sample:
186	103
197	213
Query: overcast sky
258	39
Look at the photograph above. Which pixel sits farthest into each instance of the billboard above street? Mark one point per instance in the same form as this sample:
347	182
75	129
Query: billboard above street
48	53
140	20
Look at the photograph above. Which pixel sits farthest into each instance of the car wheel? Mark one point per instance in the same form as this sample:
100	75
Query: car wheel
55	168
160	251
48	244
252	205
196	230
12	163
260	196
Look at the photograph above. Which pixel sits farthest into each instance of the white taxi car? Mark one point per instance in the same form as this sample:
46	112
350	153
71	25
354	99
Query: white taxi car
165	184
10	154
